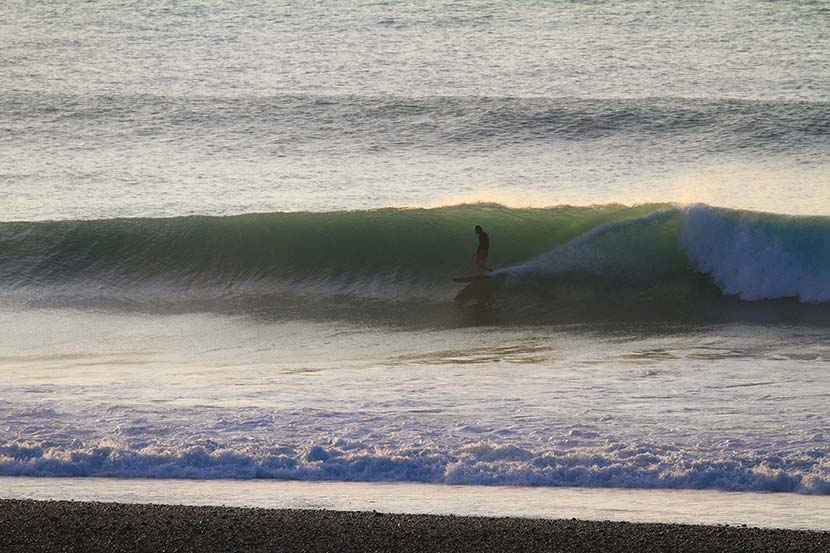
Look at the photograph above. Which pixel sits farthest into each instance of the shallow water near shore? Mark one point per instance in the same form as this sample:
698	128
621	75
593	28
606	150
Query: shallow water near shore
738	407
764	510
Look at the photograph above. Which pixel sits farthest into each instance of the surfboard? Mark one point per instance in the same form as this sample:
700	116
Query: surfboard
470	278
464	279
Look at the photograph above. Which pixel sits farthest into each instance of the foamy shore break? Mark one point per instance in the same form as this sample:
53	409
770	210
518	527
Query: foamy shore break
33	526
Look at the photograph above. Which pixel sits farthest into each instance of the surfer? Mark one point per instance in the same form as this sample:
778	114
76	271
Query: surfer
483	249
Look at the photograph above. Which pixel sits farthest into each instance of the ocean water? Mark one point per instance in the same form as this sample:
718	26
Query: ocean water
228	231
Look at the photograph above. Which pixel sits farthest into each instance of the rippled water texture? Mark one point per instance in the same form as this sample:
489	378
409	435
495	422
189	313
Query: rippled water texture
158	109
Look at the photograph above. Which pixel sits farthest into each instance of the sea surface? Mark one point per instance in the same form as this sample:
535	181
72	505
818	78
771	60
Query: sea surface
228	231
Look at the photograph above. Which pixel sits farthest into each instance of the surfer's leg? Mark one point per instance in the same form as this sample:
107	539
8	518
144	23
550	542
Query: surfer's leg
481	257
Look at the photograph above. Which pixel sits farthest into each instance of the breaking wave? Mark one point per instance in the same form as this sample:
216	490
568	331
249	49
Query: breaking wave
602	254
617	465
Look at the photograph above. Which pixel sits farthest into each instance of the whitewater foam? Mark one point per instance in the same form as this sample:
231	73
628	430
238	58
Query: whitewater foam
609	464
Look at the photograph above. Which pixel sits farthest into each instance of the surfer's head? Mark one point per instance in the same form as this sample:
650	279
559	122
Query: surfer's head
478	229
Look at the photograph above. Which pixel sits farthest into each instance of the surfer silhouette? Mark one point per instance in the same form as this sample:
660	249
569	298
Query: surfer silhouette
483	249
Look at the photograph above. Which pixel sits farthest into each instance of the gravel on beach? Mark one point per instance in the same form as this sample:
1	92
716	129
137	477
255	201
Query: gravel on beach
33	526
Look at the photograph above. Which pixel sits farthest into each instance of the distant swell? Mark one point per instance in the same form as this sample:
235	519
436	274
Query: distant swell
393	123
601	254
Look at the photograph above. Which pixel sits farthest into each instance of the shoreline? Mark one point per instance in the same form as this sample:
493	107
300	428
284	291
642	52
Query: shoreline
32	526
668	506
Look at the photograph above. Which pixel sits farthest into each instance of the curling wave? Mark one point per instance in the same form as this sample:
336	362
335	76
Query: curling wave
408	255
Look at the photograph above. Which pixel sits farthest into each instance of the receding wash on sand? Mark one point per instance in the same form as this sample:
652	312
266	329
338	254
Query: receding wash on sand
489	246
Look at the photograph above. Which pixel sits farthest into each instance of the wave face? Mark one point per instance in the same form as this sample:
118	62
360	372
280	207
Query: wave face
602	254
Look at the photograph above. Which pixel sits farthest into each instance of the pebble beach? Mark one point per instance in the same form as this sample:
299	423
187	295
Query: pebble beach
46	526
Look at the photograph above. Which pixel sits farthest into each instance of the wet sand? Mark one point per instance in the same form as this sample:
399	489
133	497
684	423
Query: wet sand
31	526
